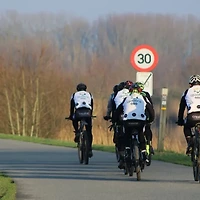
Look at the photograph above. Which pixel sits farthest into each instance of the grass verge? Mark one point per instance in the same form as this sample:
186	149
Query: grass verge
8	188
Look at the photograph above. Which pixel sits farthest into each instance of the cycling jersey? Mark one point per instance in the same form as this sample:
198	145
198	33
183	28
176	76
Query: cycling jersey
82	99
190	100
134	107
121	95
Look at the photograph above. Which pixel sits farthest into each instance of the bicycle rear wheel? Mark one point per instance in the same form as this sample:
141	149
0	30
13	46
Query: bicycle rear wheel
80	149
137	161
85	148
117	153
196	161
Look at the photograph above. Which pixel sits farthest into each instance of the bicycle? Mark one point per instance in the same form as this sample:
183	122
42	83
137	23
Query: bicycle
115	128
195	155
195	152
83	142
133	156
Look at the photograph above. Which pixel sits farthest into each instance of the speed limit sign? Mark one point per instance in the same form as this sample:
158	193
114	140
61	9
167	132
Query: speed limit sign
144	58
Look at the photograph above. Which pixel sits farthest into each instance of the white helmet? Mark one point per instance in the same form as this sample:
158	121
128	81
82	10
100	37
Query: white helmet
194	80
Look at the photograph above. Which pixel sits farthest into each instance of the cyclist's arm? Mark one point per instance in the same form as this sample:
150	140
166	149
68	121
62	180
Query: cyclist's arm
118	111
182	106
109	106
149	97
72	106
92	102
151	112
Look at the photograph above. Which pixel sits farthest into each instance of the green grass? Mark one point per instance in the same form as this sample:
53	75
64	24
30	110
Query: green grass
8	188
173	157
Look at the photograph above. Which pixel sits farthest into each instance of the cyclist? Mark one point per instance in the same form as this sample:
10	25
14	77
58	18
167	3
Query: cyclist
190	100
81	106
123	92
134	108
110	102
147	132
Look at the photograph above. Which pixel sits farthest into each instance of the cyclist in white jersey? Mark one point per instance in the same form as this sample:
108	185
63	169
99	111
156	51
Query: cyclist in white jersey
123	92
134	109
190	100
110	102
81	106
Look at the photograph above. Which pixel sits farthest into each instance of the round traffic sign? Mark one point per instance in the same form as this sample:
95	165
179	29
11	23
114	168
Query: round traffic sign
144	58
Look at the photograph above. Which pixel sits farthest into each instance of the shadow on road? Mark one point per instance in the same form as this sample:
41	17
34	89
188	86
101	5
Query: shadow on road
62	165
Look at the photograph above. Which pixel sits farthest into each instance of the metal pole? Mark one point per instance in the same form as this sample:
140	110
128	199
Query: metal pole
163	116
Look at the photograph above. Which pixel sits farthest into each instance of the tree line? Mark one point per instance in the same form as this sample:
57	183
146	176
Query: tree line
44	56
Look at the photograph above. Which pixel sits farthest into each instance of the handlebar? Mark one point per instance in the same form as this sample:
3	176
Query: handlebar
179	124
68	118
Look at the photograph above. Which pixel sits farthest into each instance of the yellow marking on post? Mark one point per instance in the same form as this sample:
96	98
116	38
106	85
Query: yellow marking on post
163	108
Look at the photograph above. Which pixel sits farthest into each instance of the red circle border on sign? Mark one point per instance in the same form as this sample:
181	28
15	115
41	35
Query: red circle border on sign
144	46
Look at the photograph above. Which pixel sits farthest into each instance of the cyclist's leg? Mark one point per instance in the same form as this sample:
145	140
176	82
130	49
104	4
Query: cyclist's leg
188	137
148	134
115	135
75	125
127	143
89	132
142	141
121	146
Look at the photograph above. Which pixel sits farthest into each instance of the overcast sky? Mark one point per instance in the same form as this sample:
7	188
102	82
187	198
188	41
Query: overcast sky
92	9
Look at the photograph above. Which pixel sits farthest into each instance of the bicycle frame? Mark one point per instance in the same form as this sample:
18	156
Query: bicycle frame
133	155
83	144
195	157
83	123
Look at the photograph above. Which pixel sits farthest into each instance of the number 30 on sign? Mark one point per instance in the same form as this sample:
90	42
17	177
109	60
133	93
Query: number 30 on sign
144	58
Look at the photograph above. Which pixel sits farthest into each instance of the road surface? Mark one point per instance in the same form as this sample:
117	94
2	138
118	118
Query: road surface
44	172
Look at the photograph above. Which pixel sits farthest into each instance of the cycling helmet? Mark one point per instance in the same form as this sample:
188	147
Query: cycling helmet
128	84
140	86
81	86
134	88
121	86
115	88
194	79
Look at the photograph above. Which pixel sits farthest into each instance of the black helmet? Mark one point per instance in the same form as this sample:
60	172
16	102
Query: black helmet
121	86
81	86
115	88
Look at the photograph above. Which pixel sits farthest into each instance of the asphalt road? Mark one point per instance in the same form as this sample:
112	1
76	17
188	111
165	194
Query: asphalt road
44	172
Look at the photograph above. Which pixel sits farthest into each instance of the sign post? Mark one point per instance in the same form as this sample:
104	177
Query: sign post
163	118
147	79
144	58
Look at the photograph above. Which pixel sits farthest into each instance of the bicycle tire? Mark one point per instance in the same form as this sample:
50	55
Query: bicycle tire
195	155
117	153
80	149
125	169
149	157
85	148
137	160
